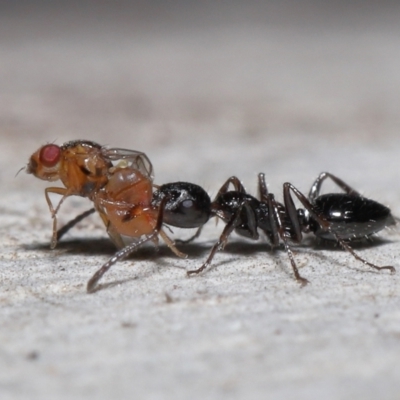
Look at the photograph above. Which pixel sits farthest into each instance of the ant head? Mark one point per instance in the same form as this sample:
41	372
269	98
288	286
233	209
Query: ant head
45	162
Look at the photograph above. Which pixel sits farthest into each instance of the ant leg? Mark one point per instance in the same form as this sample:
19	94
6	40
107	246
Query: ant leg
274	210
278	228
316	186
223	239
127	250
160	217
62	231
357	257
323	223
236	184
266	198
262	186
119	255
171	244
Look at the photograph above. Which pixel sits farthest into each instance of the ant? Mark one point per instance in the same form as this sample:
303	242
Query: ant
338	217
83	167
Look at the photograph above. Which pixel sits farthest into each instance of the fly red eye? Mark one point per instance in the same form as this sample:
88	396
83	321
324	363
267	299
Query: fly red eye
49	155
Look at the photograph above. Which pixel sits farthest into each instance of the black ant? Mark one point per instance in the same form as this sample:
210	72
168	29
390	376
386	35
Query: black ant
120	184
339	217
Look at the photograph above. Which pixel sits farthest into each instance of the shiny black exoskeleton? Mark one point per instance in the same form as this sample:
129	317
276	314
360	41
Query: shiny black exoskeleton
339	217
351	217
187	206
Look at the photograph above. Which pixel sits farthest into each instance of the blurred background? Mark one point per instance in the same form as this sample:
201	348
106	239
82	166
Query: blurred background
206	88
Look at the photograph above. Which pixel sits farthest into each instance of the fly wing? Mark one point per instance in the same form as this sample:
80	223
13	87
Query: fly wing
132	158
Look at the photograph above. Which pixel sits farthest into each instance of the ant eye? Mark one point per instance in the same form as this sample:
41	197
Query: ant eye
49	155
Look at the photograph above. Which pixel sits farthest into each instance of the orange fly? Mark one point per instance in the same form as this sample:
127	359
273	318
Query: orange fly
119	182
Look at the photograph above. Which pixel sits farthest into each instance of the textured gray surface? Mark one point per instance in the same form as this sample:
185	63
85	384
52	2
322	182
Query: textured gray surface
207	92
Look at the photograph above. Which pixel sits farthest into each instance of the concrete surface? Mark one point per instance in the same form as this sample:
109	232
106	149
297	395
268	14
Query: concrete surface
206	91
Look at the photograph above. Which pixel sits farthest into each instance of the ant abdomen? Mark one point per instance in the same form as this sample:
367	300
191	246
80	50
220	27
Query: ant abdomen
187	205
350	217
